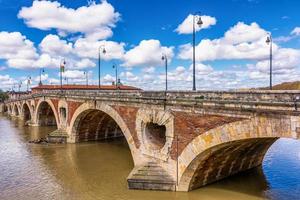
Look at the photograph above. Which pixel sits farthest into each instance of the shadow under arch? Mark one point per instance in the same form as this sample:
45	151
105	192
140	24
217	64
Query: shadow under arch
26	112
97	122
229	149
227	159
16	110
5	108
46	114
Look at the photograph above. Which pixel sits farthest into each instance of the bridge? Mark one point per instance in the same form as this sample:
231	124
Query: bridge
179	140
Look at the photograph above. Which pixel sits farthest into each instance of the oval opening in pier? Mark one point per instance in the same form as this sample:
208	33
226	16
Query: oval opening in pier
155	135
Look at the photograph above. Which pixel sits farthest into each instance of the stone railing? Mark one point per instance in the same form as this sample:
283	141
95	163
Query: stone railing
250	100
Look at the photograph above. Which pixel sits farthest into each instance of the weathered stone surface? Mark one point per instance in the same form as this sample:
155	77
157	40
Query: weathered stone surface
178	140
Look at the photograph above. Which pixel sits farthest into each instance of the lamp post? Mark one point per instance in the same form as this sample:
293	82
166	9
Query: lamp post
197	17
269	41
41	71
19	85
86	77
28	82
165	58
116	68
101	49
62	69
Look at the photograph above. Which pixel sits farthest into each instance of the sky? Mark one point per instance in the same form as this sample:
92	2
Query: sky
231	48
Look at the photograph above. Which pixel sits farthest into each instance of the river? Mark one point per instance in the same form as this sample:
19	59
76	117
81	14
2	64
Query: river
98	170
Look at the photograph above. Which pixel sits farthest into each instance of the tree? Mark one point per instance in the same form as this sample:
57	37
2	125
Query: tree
3	96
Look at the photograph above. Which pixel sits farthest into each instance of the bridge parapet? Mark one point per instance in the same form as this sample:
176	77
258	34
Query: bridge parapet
239	102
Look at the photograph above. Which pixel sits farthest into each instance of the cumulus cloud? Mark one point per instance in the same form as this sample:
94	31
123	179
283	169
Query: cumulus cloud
240	42
147	54
53	45
186	27
15	45
296	31
85	63
87	48
108	79
128	76
201	69
6	82
94	21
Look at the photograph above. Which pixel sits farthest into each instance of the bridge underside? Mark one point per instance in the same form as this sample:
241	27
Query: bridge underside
46	115
225	160
26	113
96	125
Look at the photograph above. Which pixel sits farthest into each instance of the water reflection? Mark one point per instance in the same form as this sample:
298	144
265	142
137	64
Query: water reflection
99	171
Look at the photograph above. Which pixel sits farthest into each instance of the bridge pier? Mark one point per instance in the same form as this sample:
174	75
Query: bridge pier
181	141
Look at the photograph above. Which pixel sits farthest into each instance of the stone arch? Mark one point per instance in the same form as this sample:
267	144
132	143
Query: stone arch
9	109
16	110
5	108
51	109
231	148
86	109
26	111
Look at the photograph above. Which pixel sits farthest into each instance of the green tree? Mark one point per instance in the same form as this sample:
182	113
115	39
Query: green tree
3	96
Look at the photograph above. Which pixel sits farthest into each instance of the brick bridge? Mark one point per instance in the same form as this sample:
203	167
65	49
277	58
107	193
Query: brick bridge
178	140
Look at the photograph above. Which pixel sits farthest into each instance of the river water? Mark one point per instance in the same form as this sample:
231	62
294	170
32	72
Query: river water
99	170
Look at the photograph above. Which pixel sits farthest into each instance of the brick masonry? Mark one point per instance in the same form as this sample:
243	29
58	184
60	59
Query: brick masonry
208	139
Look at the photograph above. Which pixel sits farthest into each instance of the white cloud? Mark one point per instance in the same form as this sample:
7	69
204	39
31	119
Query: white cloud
237	43
108	79
147	54
6	82
86	48
15	45
283	61
128	76
94	21
186	27
85	63
54	46
74	74
201	69
296	31
149	70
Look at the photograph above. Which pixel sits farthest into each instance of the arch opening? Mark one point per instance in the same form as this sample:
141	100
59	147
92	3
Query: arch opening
155	134
45	115
16	110
26	112
224	160
96	125
5	108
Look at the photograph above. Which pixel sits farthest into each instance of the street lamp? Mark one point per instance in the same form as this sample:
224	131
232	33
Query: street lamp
28	82
269	41
19	85
62	69
116	67
101	49
41	71
86	77
165	58
196	17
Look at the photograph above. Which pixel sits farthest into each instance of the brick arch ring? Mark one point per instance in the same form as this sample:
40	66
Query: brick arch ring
72	129
52	107
29	107
247	129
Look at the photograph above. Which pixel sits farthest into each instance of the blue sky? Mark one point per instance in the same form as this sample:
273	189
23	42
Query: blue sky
230	53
